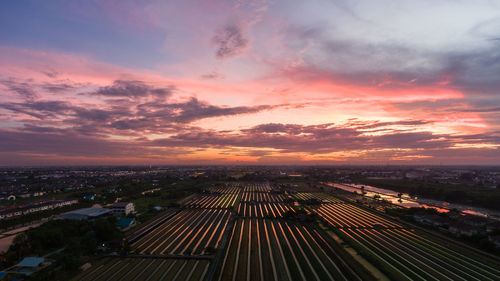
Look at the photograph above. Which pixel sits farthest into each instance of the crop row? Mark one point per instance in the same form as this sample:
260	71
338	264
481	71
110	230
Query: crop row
257	187
348	215
263	210
262	197
319	196
213	201
225	189
147	269
189	232
262	249
406	255
150	225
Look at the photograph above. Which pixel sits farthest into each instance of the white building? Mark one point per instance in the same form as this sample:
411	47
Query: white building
123	208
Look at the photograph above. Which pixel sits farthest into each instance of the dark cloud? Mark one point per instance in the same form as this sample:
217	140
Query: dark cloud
193	110
58	87
23	89
229	41
213	75
392	65
133	89
265	140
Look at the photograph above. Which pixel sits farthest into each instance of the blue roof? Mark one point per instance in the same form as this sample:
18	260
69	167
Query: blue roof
90	212
125	222
2	274
30	262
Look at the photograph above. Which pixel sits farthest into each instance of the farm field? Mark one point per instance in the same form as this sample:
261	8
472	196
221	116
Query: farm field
225	200
410	255
146	269
239	231
262	249
137	232
402	252
319	196
349	215
190	231
264	210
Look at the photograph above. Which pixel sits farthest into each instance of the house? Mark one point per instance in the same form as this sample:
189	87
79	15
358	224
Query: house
123	208
433	220
18	210
86	214
493	227
495	240
463	229
30	265
474	220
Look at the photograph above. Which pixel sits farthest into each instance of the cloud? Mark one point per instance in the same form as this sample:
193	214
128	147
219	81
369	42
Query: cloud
229	41
22	89
133	89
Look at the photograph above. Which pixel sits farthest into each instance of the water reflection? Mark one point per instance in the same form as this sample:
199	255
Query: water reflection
405	200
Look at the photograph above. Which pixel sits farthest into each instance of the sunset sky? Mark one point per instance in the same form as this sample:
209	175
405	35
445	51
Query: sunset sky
249	82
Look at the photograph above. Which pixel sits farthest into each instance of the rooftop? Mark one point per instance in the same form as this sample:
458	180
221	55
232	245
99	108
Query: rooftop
30	262
91	212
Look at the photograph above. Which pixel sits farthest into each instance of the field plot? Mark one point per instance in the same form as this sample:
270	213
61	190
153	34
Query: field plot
226	200
319	196
262	249
264	210
145	269
189	232
262	197
409	255
225	189
348	215
257	187
144	228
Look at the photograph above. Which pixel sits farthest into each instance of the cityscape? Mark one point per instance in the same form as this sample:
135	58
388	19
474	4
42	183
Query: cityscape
249	140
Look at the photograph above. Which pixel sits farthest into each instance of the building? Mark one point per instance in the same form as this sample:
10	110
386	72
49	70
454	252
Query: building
463	229
24	209
86	214
123	208
433	220
495	240
29	265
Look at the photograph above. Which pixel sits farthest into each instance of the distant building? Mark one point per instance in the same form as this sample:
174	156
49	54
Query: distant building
29	265
433	220
86	214
495	240
24	209
463	229
89	197
474	220
123	208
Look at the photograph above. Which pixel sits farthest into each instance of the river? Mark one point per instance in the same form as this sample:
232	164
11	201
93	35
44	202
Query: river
408	202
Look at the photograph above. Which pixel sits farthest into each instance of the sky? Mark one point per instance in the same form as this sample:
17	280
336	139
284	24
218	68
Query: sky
320	82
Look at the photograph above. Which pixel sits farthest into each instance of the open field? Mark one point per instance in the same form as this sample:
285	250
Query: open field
348	215
410	255
401	252
261	249
145	269
264	210
229	188
190	231
225	200
145	228
262	197
319	196
240	232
